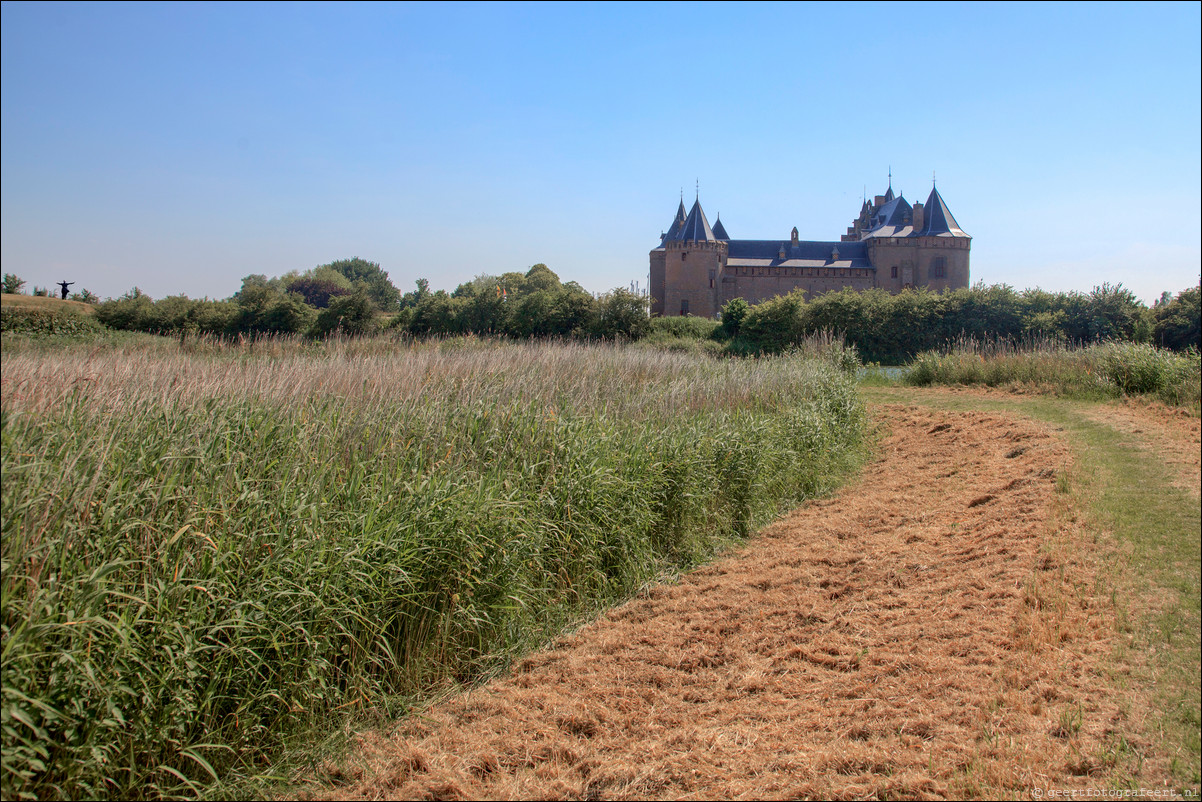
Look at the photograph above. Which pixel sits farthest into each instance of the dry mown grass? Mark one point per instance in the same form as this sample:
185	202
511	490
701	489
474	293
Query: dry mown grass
45	303
926	633
1174	435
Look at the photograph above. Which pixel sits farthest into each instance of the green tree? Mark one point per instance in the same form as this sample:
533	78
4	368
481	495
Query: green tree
541	277
531	315
133	311
12	284
352	314
374	279
481	309
513	285
620	313
437	313
319	285
733	314
411	299
1179	320
771	326
1113	313
287	314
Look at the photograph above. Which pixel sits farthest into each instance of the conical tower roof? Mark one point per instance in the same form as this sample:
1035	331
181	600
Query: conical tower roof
677	222
937	219
720	230
695	228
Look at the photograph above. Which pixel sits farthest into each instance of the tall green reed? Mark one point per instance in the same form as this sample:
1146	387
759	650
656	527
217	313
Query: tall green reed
209	548
1101	370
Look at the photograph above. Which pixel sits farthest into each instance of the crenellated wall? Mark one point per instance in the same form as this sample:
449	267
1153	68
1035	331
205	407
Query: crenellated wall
902	262
692	275
756	284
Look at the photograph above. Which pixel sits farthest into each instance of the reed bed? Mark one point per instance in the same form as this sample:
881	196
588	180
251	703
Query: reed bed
211	549
1100	370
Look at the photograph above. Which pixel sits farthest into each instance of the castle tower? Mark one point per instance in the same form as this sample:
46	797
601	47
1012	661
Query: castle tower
919	246
686	270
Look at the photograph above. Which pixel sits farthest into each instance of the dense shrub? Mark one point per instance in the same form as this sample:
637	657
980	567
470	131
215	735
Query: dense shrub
352	315
893	329
1179	320
47	321
686	327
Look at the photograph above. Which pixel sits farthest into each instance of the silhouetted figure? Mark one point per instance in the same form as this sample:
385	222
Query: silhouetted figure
65	285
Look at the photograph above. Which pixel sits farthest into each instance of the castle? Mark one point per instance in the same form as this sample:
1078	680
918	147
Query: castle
892	245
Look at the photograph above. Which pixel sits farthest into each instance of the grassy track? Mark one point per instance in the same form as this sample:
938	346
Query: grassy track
1144	535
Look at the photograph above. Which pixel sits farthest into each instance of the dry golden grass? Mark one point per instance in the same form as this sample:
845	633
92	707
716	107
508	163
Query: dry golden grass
45	303
929	632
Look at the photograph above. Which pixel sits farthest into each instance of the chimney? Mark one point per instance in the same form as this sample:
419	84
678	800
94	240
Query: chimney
919	217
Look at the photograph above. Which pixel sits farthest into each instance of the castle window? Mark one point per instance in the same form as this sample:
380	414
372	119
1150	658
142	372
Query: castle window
939	267
893	272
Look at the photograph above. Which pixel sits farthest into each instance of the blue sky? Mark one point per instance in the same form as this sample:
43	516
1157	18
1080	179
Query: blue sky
180	147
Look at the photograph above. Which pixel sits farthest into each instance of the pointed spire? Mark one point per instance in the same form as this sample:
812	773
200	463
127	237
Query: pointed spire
677	222
720	230
937	218
695	228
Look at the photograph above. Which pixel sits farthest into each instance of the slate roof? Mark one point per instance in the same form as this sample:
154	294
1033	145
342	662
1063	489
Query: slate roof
719	229
766	253
892	219
937	219
677	222
695	228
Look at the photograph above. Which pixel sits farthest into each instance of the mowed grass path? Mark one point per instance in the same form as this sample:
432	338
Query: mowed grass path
1141	529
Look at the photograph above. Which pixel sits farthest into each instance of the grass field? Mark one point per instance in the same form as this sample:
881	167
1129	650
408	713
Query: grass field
215	553
1003	605
214	550
45	303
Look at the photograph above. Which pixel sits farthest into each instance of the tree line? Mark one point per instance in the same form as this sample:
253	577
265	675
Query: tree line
893	329
355	296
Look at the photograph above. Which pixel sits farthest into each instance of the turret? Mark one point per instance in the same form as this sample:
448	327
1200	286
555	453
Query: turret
693	260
